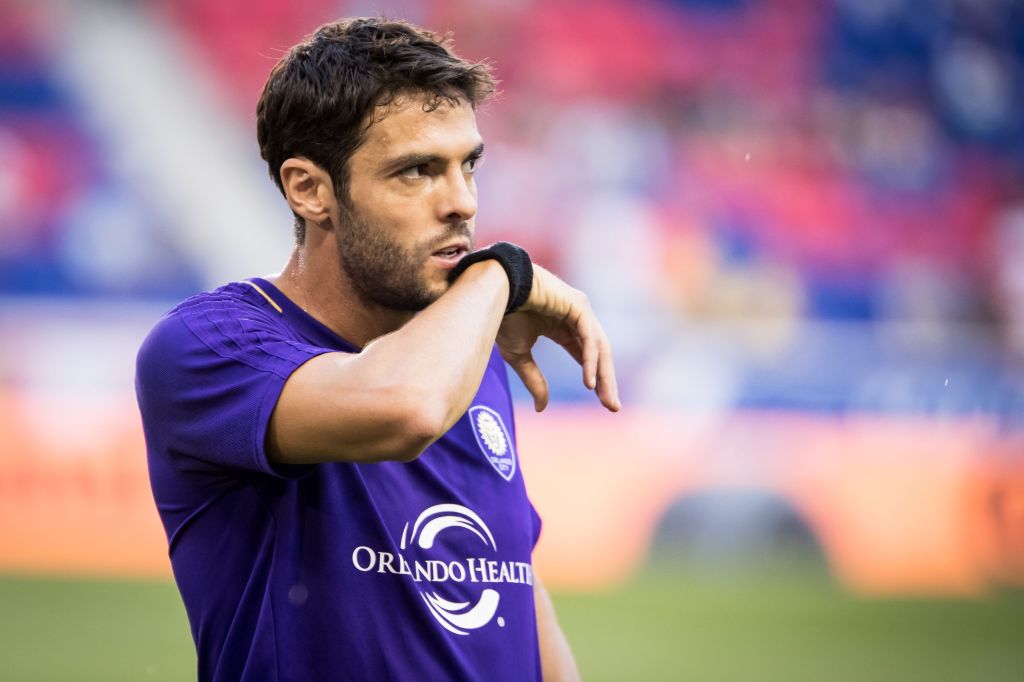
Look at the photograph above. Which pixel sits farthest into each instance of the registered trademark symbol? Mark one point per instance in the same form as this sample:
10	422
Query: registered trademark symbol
501	622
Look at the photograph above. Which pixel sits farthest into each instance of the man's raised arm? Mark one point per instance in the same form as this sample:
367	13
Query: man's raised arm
407	388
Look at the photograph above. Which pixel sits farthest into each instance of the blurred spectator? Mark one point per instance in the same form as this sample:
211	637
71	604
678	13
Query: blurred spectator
693	165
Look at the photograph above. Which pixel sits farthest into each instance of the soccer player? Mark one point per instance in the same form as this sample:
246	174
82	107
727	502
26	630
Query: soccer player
332	449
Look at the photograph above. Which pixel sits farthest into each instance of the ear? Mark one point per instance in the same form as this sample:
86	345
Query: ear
309	190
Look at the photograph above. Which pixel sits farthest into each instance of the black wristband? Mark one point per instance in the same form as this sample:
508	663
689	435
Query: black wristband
517	265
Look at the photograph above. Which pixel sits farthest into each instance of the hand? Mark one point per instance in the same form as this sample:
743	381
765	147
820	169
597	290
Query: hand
563	314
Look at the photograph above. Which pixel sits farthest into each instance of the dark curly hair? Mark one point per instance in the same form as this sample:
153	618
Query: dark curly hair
318	99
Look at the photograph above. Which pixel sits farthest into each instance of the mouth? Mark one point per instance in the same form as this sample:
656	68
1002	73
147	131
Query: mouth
451	254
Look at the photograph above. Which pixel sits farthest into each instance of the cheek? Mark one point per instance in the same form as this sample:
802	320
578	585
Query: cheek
401	222
389	226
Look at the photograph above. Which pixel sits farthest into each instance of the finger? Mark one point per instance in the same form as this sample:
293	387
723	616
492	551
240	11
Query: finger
607	383
572	347
533	379
588	334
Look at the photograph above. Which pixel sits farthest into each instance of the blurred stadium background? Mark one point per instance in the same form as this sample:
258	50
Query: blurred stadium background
802	221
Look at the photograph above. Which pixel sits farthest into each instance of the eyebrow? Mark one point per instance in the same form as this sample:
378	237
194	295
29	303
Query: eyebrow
410	160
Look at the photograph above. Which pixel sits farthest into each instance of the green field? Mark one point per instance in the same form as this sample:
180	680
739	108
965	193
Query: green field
667	625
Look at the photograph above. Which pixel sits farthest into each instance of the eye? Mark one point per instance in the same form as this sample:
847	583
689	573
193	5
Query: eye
469	165
414	171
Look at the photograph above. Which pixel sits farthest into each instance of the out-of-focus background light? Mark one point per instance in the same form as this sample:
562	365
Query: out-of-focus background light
802	222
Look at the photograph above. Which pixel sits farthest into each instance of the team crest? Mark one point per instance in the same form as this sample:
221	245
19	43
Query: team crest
493	439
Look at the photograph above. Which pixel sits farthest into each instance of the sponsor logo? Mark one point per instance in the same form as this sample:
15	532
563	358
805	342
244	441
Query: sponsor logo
493	439
458	617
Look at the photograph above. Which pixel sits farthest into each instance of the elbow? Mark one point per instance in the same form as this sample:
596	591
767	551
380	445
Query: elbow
420	427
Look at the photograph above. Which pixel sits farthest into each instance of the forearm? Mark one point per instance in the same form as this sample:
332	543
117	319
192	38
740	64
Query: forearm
441	354
556	659
405	390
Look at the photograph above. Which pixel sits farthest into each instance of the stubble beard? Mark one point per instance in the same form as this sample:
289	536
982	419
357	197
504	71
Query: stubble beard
383	273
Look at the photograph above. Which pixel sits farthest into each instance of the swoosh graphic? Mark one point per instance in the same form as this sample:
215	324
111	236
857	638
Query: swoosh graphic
437	524
452	510
476	617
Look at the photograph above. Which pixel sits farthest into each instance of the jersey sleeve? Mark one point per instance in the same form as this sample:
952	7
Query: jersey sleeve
208	377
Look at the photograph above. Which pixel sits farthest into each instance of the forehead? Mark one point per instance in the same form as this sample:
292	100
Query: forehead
408	125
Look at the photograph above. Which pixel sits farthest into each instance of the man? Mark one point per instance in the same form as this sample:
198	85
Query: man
332	450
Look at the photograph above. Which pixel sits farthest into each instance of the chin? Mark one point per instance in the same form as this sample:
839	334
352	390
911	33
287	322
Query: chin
435	280
435	292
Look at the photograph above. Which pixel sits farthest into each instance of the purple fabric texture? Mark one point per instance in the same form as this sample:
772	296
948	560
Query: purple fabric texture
390	571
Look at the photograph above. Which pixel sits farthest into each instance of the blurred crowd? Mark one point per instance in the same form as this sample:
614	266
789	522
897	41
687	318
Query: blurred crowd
785	203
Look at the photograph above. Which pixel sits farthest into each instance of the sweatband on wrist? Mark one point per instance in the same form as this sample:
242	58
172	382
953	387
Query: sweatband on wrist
517	265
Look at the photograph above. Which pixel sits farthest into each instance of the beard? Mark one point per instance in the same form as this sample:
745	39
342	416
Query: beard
383	272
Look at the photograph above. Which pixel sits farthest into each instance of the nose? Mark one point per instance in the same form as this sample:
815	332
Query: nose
458	200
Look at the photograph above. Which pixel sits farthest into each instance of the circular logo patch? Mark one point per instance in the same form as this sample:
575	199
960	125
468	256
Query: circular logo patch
494	440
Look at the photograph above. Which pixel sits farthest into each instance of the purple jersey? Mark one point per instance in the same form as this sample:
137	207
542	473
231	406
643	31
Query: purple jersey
389	571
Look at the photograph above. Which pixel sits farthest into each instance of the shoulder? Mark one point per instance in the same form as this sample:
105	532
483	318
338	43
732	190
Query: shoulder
232	322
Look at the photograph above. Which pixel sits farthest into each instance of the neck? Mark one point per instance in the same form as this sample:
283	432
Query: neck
315	281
